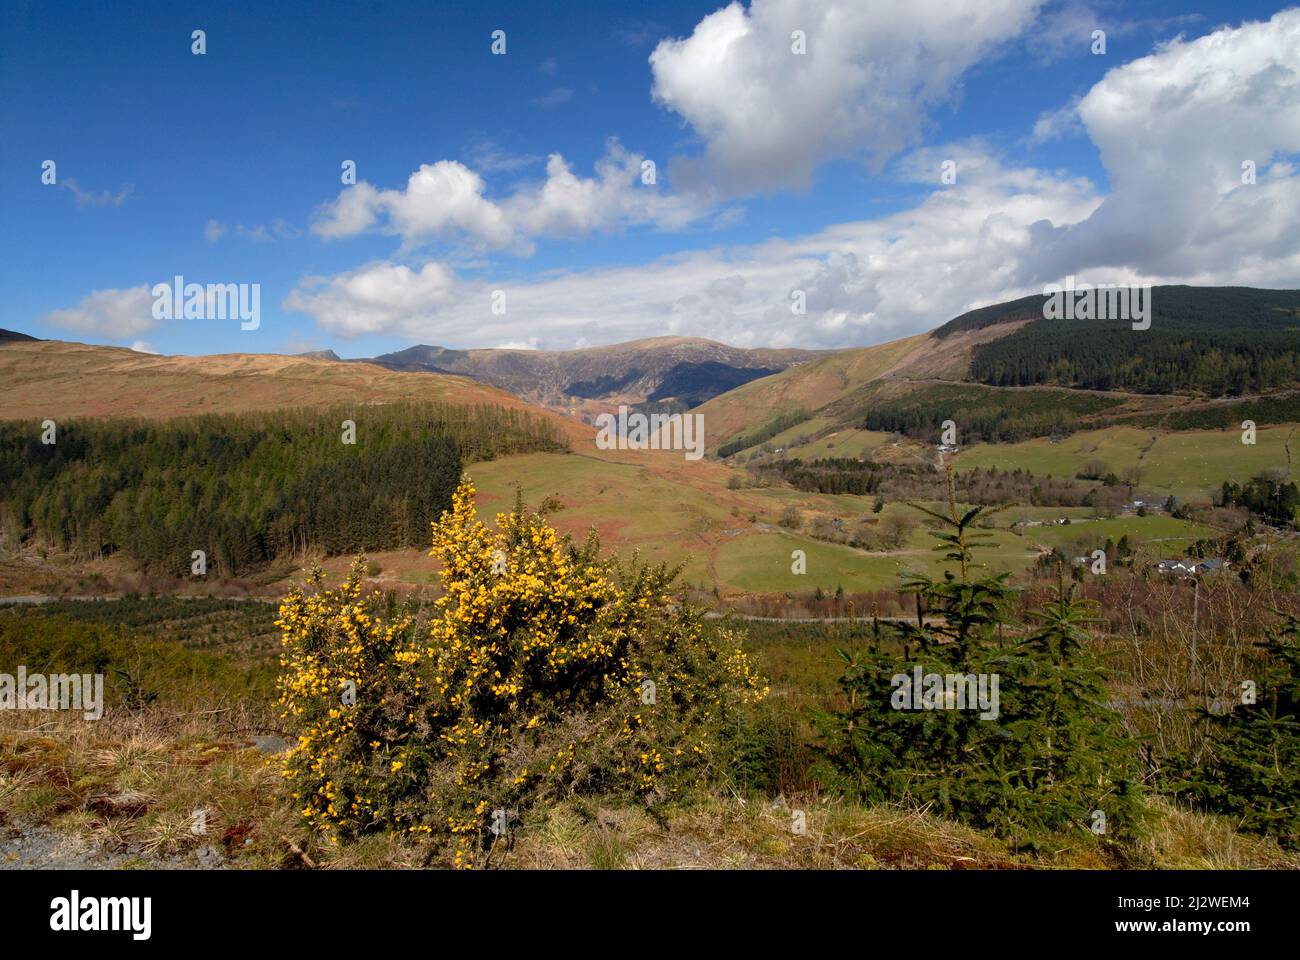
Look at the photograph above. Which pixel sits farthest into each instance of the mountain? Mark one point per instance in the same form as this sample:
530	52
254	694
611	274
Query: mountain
1207	356
56	379
677	371
13	336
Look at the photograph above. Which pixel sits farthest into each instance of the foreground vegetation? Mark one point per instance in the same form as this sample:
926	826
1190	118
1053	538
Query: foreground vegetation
507	723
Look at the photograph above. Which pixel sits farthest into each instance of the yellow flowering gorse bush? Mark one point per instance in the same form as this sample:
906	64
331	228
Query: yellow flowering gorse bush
543	671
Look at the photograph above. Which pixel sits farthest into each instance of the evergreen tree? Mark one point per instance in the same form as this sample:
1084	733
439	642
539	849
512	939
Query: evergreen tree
1050	753
1253	771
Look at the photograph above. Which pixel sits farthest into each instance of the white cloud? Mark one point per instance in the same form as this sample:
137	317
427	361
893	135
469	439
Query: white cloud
257	233
976	242
1173	130
865	281
1057	124
568	205
143	346
1065	30
355	210
769	117
110	313
440	199
213	231
377	296
446	200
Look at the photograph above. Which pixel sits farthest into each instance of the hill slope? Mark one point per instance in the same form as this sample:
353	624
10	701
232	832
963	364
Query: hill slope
54	379
1205	346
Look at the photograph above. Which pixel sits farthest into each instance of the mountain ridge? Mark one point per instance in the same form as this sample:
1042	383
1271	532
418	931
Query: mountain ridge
672	370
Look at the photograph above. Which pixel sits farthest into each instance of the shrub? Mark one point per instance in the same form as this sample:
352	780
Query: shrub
543	672
1046	757
1253	771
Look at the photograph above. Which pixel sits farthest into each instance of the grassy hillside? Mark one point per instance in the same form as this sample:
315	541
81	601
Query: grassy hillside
60	380
1187	464
807	386
1204	341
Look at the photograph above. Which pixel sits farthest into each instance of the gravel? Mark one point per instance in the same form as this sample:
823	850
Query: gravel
41	848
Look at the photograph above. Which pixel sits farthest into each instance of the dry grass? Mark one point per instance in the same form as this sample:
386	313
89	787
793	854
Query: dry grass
731	833
131	785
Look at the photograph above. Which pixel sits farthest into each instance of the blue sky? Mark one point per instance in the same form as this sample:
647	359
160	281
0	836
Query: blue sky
225	167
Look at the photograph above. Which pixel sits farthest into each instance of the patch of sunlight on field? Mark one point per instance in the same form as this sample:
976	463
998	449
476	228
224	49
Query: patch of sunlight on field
1118	447
1201	460
1151	528
854	444
1019	514
1188	463
792	436
761	562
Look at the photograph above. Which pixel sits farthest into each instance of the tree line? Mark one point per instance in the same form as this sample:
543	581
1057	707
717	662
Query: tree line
1218	342
248	488
1002	416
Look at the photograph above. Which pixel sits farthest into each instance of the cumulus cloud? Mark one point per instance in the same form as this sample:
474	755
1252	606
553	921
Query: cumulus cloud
110	313
568	205
376	296
1179	206
214	230
863	282
446	200
1177	211
768	116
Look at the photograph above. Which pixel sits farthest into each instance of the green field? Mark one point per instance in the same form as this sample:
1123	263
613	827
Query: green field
730	537
1187	464
809	428
845	442
761	561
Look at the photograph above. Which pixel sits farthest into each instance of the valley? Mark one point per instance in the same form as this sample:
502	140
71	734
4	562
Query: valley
730	528
800	529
